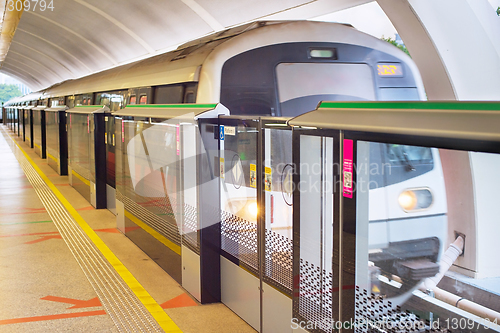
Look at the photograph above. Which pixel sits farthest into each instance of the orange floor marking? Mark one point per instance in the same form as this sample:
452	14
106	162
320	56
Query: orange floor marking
52	317
77	303
44	238
62	184
33	234
180	301
110	230
27	211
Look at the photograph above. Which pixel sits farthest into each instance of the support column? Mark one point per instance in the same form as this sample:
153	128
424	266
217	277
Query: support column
453	44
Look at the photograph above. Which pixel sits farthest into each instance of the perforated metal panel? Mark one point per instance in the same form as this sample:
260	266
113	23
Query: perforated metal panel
239	239
279	261
190	229
315	296
375	314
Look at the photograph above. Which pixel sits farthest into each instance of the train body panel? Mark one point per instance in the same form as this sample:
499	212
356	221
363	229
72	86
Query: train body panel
291	32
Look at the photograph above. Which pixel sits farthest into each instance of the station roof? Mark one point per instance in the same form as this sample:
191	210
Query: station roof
79	37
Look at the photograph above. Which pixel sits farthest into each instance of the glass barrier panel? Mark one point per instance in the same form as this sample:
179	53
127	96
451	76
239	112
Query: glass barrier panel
279	208
151	174
238	175
79	152
316	283
110	142
52	126
416	208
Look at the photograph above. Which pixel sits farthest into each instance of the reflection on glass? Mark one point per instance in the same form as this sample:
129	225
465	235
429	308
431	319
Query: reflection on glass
408	276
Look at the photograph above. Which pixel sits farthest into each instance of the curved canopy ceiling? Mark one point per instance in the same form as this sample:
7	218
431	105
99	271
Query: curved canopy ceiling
80	37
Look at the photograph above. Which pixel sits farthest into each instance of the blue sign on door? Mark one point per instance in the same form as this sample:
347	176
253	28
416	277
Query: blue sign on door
221	132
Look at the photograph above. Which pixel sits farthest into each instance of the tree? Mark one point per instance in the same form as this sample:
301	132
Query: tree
8	91
399	46
498	11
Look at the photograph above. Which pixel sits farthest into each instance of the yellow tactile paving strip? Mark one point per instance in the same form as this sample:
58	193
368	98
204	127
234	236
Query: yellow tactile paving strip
38	275
165	322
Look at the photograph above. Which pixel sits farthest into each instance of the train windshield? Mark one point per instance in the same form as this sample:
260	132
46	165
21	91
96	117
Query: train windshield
302	86
409	155
392	163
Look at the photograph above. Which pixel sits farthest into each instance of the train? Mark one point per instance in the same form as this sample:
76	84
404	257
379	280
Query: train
277	70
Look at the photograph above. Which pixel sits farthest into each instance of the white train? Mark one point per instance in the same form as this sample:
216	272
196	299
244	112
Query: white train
283	69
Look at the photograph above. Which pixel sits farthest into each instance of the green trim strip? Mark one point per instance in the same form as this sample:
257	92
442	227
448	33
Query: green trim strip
173	106
422	105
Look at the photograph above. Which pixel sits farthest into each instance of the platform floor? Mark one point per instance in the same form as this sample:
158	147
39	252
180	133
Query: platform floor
52	281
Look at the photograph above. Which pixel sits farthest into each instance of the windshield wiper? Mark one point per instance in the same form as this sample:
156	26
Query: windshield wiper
409	165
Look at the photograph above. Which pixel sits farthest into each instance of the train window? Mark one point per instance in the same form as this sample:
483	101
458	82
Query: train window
143	99
171	94
71	101
189	98
249	101
79	100
89	99
401	154
302	86
133	99
116	102
104	101
190	92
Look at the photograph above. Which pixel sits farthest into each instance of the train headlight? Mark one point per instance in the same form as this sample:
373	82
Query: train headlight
415	199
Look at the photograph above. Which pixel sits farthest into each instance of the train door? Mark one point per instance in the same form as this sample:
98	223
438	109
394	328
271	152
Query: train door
21	122
276	226
18	122
317	255
110	143
256	173
240	282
